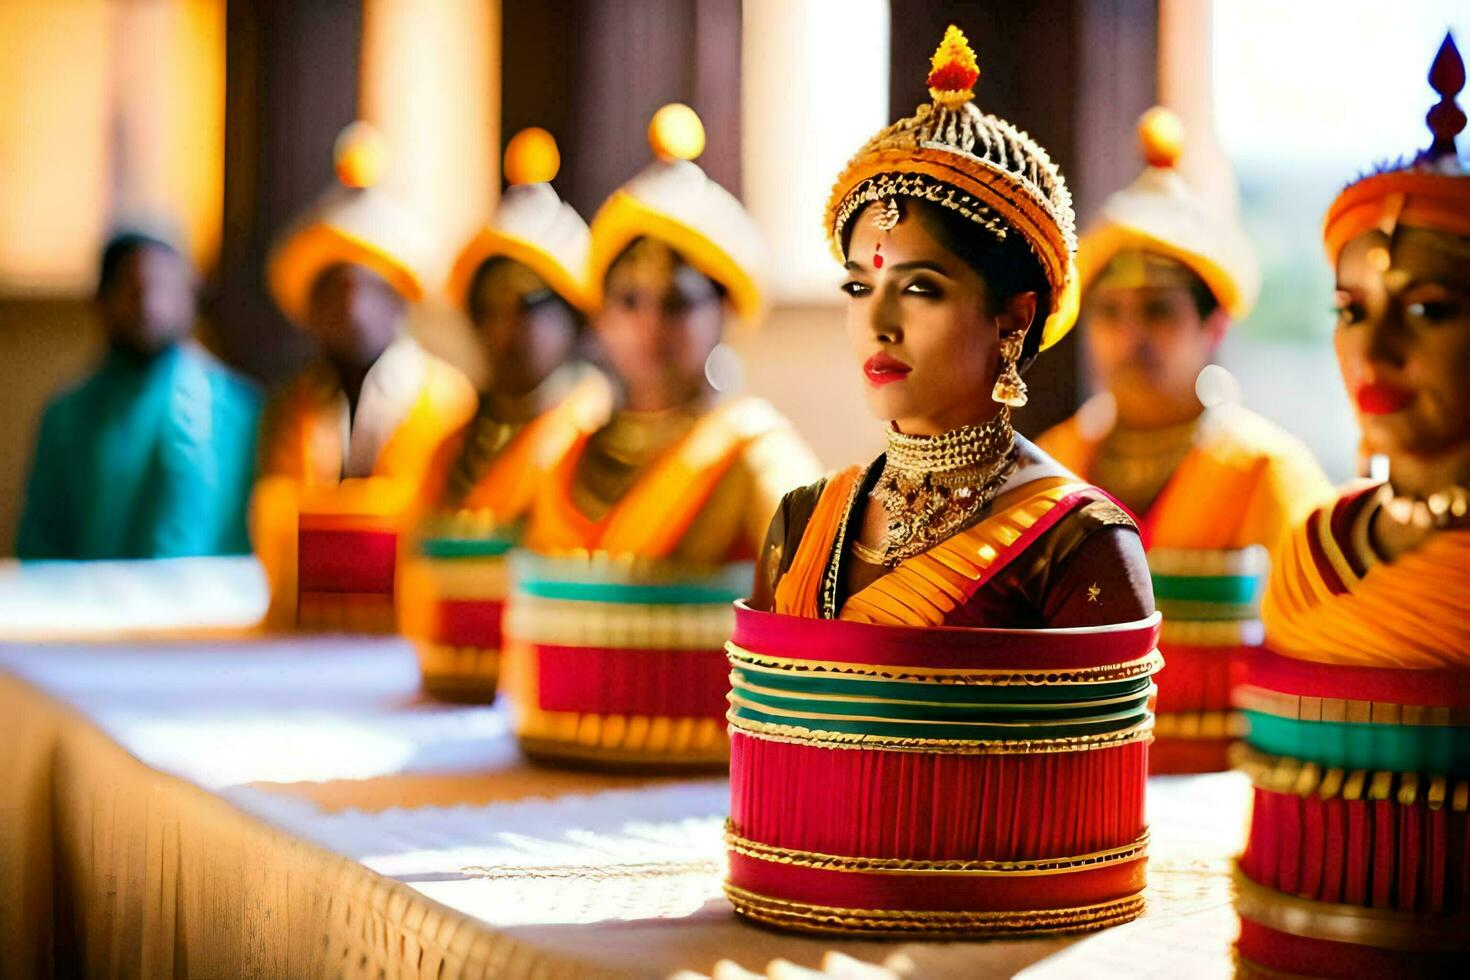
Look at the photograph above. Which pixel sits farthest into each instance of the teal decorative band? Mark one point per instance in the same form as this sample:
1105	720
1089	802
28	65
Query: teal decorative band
860	686
644	595
864	705
607	579
1242	590
1362	745
451	548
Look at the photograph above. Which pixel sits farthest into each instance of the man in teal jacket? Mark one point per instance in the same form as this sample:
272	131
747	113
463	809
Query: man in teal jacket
153	455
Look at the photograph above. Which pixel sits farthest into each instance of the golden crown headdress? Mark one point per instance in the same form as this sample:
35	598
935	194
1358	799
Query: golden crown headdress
951	154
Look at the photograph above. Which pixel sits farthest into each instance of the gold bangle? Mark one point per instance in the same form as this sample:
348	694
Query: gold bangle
908	866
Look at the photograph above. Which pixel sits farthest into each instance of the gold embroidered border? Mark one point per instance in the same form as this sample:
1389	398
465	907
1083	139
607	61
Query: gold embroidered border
1143	731
1199	724
716	759
1380	928
459	673
1303	708
905	866
828	919
751	660
1285	774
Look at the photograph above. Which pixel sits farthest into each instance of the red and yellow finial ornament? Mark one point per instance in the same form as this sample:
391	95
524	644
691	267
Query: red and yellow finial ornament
360	154
953	70
1161	137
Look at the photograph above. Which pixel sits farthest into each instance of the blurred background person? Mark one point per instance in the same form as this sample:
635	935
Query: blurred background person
1213	484
653	520
346	446
522	282
153	454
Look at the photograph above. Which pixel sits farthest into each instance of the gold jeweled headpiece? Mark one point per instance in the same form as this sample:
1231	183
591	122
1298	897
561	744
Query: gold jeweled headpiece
951	154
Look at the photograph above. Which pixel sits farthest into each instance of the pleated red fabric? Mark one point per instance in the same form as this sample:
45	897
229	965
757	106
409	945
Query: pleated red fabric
1376	853
884	803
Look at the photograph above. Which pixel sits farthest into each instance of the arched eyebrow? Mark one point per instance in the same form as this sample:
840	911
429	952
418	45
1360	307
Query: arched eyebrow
917	265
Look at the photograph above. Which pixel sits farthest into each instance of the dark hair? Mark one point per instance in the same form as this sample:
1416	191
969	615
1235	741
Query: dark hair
1204	297
472	302
118	248
1007	265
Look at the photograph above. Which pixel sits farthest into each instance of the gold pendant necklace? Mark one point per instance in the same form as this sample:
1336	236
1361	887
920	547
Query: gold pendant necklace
932	487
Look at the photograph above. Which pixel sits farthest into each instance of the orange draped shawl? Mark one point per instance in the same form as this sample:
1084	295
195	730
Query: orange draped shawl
1244	484
1413	612
925	589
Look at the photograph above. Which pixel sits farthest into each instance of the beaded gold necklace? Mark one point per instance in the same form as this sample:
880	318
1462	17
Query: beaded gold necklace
932	487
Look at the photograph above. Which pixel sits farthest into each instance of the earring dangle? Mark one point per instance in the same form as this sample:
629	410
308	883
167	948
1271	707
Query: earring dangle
1009	388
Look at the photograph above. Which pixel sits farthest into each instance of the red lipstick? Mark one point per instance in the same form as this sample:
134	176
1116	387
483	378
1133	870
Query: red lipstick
882	369
1380	398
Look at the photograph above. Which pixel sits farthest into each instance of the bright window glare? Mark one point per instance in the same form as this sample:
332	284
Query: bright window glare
1342	82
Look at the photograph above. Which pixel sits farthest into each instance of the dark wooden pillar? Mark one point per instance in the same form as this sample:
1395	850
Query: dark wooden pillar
593	73
291	85
1075	74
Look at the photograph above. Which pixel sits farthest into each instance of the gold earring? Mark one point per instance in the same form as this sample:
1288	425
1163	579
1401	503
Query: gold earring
1009	388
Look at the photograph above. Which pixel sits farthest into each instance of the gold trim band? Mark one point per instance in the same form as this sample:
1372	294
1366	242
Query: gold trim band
905	866
1379	928
1286	774
1303	708
751	660
839	921
1199	724
1143	731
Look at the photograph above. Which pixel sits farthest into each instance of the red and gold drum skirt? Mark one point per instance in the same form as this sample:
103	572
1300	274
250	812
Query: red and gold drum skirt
1210	600
452	601
620	662
1357	861
945	781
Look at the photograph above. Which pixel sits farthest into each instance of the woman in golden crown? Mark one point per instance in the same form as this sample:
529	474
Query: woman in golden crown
645	531
1358	862
967	624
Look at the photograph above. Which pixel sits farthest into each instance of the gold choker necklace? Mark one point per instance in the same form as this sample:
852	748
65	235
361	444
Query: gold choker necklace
1440	509
932	487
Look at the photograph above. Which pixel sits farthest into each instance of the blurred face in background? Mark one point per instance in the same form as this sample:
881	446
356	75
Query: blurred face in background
1148	344
660	320
149	301
923	325
525	329
1403	340
354	314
